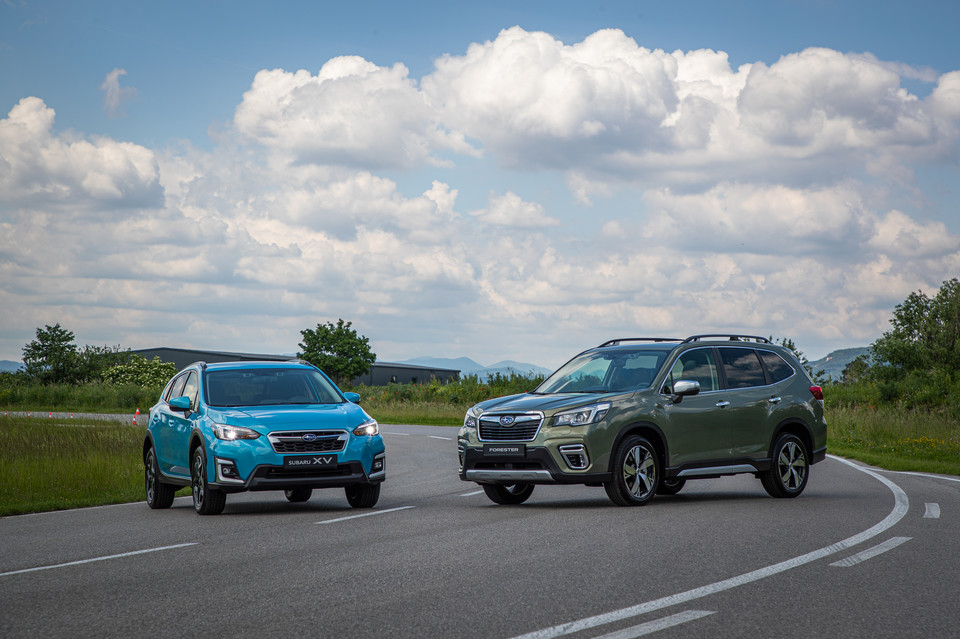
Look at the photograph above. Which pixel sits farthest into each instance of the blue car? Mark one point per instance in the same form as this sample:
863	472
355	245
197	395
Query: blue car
238	426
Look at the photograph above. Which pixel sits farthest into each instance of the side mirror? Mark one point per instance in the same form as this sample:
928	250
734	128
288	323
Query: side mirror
180	404
352	397
685	388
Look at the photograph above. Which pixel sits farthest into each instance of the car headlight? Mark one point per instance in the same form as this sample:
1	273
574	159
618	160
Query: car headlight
472	416
232	433
367	428
582	416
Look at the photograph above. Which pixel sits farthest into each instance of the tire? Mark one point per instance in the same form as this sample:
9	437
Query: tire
206	500
363	495
636	473
159	495
296	495
789	468
508	494
670	486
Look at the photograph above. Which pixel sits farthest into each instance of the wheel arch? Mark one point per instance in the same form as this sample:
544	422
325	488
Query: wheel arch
651	432
798	428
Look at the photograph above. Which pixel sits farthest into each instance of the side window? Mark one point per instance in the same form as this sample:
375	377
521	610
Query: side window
697	365
742	367
777	369
176	388
191	388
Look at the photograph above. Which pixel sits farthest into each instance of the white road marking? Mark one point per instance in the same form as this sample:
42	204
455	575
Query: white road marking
879	549
476	492
373	512
449	439
400	434
900	508
87	561
915	474
658	625
932	511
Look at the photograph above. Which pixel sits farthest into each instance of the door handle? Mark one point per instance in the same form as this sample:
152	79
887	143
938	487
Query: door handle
775	400
722	404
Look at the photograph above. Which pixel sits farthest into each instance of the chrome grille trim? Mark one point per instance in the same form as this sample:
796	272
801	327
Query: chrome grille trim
524	428
326	441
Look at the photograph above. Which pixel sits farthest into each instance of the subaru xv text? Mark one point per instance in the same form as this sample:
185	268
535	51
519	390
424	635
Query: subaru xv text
231	427
641	416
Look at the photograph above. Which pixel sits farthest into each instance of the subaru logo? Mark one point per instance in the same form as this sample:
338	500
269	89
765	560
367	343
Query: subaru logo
507	420
308	437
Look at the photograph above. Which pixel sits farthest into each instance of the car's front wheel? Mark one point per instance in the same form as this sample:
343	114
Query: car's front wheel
789	468
508	493
206	500
296	495
636	473
363	495
159	495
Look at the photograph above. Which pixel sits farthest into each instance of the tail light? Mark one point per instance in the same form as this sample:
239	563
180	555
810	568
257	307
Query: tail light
817	392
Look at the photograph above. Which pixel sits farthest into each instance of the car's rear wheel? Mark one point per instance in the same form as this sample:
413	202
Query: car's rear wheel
296	495
159	495
636	473
363	495
789	468
508	493
206	500
671	486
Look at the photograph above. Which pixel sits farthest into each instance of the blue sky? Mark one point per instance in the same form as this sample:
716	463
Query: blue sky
501	180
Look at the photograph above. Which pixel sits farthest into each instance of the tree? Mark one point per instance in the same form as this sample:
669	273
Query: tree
52	358
816	376
141	371
337	350
925	336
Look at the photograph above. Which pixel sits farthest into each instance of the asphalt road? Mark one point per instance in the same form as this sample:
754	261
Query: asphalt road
861	553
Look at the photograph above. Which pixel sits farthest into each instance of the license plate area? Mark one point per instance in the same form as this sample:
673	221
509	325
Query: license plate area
310	461
505	450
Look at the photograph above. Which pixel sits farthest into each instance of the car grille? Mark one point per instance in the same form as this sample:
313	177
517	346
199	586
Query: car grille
502	427
317	441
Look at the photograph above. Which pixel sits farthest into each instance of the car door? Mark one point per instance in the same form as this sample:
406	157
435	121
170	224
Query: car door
697	428
749	398
173	453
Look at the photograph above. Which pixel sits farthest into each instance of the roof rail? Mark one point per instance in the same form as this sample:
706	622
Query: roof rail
202	364
731	337
614	342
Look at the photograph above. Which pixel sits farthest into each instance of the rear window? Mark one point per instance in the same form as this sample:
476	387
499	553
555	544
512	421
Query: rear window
777	369
742	367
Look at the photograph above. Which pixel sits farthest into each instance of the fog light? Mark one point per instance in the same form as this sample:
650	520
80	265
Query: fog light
227	472
378	467
575	455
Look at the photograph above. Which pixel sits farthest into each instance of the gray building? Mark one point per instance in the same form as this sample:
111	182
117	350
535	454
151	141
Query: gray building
381	373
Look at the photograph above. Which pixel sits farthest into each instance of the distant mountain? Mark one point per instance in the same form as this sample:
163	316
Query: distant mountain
467	366
9	366
834	363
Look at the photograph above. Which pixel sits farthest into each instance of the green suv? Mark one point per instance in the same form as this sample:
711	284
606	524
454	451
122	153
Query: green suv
641	416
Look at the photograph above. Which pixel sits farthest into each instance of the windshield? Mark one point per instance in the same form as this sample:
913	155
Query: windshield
268	387
606	371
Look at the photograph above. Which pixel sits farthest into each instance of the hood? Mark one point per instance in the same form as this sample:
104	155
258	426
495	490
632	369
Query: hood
270	418
547	404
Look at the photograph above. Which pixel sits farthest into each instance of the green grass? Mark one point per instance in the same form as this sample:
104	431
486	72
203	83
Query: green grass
46	465
895	438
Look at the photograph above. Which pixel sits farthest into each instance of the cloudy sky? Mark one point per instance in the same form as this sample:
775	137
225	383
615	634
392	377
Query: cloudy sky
499	180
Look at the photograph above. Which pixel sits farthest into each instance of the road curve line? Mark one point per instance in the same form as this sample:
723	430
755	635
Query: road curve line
931	511
870	553
87	561
660	624
900	508
373	512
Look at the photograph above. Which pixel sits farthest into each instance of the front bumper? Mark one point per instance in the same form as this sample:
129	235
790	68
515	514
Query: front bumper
536	466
